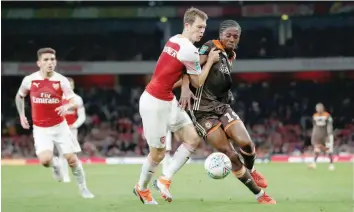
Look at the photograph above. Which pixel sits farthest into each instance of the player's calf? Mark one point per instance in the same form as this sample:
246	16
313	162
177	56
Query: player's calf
148	169
47	159
191	141
79	174
238	133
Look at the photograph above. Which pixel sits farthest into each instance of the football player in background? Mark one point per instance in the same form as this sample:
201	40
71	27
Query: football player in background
75	118
322	135
46	88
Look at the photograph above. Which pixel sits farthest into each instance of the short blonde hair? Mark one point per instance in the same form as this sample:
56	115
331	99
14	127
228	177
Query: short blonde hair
191	14
45	51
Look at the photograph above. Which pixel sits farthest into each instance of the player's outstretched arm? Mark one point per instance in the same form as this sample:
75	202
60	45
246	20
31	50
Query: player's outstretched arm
186	94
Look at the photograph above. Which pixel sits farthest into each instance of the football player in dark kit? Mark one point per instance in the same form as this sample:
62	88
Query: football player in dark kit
214	118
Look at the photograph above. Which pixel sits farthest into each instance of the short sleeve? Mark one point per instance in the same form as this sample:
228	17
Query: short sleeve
190	59
205	49
66	87
25	86
330	119
79	102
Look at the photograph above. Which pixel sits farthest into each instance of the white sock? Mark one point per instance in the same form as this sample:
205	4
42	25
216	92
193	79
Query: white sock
79	173
259	194
55	162
180	157
147	171
65	167
166	161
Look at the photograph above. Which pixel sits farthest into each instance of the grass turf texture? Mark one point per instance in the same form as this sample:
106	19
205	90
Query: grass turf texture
296	189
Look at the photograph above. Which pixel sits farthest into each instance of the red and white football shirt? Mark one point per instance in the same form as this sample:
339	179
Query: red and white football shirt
179	54
46	95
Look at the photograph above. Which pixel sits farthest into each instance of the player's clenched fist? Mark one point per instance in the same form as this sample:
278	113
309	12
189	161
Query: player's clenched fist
24	122
214	55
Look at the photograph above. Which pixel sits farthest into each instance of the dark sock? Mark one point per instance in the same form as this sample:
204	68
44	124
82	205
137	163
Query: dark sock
330	155
249	156
316	156
249	182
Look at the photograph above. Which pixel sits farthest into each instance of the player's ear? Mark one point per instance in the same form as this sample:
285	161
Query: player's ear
186	26
38	64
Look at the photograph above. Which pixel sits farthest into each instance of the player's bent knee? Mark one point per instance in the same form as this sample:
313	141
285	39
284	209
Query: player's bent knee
45	158
189	136
157	154
72	159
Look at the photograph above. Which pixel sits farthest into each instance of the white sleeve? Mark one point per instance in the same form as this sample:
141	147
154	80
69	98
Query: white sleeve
66	87
78	101
25	86
81	117
190	58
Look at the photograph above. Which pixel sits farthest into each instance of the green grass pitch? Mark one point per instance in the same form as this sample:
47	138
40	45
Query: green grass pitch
296	189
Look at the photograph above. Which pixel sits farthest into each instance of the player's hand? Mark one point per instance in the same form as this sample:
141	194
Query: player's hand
214	55
62	110
185	99
24	122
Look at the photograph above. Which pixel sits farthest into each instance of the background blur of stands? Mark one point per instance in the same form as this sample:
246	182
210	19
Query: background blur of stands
291	56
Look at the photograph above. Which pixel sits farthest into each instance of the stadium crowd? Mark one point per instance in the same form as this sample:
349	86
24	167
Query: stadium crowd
255	44
277	114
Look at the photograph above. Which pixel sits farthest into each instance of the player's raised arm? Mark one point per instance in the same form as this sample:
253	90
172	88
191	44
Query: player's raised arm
20	101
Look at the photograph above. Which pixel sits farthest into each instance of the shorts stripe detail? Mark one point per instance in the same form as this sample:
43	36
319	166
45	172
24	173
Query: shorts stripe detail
214	128
198	94
229	124
199	127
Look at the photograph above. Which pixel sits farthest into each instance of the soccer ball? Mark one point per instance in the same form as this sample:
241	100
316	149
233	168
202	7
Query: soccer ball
217	165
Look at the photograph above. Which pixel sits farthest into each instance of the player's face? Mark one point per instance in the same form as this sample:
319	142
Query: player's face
230	38
319	108
197	29
47	62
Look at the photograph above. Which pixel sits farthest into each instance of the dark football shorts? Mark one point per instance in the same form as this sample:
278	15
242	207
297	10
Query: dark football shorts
206	122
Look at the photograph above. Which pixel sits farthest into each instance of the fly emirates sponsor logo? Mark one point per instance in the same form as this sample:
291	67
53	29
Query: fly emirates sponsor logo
45	98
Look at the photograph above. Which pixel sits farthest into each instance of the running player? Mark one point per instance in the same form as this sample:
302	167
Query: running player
75	118
322	135
214	118
159	109
46	88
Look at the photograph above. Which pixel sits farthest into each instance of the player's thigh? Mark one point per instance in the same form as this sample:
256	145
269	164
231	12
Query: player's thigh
219	141
65	140
234	128
178	118
155	116
318	143
43	143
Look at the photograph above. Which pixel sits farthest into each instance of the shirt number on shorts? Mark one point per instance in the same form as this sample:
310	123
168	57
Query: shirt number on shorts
230	117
